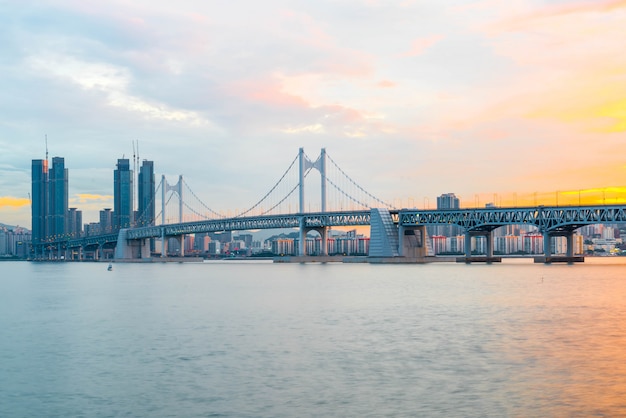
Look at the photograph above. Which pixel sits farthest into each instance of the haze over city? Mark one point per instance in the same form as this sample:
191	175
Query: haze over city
413	99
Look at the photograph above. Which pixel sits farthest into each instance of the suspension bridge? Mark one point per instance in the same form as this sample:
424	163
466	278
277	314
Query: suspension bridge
395	233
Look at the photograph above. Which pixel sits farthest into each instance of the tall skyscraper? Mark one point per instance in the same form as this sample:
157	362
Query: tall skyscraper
146	191
39	203
122	195
58	212
49	200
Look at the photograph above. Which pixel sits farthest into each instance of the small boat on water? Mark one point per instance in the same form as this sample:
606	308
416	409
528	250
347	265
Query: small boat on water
110	267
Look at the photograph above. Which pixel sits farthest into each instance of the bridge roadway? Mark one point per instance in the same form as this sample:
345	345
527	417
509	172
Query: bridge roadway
553	219
306	220
550	221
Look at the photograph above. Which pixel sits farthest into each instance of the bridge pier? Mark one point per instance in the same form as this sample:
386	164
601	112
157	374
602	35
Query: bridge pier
384	234
323	231
181	242
412	241
488	257
569	257
131	249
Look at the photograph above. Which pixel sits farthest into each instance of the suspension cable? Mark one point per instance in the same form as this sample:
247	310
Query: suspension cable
202	203
287	196
201	215
168	201
141	217
347	195
354	183
271	190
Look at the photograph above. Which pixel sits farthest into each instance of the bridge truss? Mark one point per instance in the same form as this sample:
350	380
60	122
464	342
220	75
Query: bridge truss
546	219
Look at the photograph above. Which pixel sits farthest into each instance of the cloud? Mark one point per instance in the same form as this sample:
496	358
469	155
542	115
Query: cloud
90	198
13	202
556	11
569	66
386	84
420	45
113	82
317	128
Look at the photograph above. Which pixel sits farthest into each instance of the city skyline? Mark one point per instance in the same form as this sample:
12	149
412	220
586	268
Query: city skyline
505	103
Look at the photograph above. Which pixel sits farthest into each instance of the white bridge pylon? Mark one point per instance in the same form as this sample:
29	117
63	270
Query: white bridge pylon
319	165
178	189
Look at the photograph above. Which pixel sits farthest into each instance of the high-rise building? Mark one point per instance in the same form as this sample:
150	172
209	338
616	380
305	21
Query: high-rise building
75	223
146	191
58	212
122	195
448	201
106	221
39	204
49	200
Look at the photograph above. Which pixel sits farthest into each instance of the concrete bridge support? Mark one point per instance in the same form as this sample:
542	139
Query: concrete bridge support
383	234
488	257
412	241
131	249
547	244
570	244
323	231
181	242
488	242
164	247
569	256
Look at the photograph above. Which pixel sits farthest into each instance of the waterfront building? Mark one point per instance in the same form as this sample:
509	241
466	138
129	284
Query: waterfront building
146	194
439	244
448	201
58	209
49	194
223	237
533	243
75	223
479	245
122	195
201	242
214	247
39	197
283	246
345	245
14	242
106	221
332	248
246	238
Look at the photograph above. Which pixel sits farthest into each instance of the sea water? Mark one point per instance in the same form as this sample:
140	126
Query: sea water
256	339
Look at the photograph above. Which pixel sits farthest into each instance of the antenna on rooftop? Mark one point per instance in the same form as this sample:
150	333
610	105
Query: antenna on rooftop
135	166
46	147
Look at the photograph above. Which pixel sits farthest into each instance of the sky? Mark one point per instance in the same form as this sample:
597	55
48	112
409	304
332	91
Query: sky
516	102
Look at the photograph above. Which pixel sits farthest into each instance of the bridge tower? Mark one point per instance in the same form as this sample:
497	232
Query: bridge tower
319	165
178	189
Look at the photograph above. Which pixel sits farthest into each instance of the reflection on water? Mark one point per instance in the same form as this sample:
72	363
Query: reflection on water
257	339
